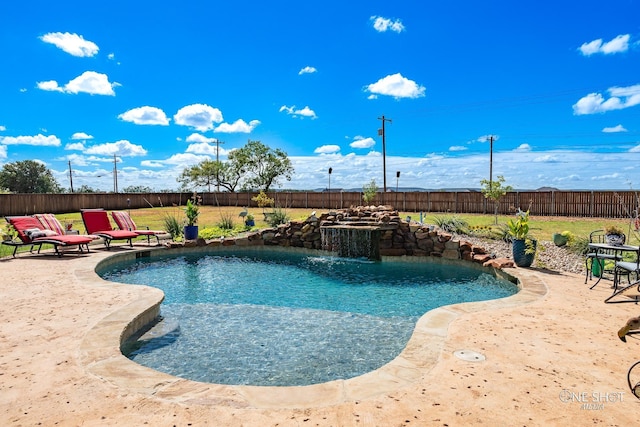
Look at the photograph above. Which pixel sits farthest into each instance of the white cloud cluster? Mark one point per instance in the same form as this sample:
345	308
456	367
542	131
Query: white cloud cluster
239	126
3	151
621	97
327	149
89	82
617	45
385	24
121	148
39	140
304	112
145	116
458	148
73	44
81	135
77	146
2	128
307	70
614	129
362	142
201	117
397	86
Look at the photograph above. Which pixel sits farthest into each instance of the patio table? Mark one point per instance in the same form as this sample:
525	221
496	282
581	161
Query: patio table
617	250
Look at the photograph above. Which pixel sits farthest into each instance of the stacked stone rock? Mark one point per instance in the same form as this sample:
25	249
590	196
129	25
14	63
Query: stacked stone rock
398	237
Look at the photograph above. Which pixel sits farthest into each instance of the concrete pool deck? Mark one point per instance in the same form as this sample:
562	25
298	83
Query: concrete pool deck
552	358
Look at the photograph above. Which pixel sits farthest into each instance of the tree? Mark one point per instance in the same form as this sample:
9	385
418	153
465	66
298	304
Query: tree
137	189
84	188
369	191
264	165
494	190
28	176
212	172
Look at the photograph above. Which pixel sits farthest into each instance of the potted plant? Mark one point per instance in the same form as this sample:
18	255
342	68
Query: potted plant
249	220
614	235
191	229
561	239
524	247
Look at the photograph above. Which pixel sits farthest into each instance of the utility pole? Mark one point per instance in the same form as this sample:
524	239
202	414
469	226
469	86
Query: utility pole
70	176
490	163
115	174
218	143
384	155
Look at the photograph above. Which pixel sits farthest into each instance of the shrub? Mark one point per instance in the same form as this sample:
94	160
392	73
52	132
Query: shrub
452	224
172	226
277	217
226	221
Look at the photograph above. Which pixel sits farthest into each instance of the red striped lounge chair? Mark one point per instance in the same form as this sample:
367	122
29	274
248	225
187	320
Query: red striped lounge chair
96	221
32	232
125	222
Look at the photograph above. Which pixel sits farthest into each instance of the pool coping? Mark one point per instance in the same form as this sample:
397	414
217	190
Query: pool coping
101	356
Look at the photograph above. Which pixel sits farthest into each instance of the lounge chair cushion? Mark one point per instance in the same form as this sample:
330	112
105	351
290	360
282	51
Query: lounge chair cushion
23	223
123	220
50	222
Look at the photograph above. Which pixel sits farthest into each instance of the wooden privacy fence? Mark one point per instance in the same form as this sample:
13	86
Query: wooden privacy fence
600	204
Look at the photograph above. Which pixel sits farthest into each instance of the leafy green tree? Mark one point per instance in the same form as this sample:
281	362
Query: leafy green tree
84	188
369	191
211	172
264	165
494	190
137	189
28	176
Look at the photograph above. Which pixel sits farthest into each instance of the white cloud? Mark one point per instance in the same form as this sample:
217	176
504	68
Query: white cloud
487	138
304	112
121	148
3	151
397	86
458	148
384	24
39	140
523	147
361	142
618	44
198	138
81	135
2	128
327	149
635	149
151	164
239	126
547	158
621	97
205	148
78	146
614	129
145	116
73	44
111	56
88	82
307	70
185	159
198	116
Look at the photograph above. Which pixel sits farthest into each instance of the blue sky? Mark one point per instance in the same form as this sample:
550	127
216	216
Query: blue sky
156	84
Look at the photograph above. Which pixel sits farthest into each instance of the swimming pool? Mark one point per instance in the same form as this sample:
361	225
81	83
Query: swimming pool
272	318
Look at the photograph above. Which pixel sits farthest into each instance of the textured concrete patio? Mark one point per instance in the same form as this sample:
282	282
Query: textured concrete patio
552	358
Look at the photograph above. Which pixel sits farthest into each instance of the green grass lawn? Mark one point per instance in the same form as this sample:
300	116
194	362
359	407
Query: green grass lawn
542	228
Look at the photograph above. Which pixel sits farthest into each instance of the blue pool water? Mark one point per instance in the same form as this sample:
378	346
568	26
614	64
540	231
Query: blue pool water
265	318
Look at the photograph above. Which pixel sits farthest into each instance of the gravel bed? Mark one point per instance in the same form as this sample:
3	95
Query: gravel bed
548	255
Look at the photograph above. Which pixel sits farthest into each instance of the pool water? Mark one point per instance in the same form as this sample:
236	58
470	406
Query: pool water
261	318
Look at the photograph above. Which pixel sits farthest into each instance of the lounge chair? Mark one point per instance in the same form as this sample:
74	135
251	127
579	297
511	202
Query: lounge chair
96	221
125	222
32	232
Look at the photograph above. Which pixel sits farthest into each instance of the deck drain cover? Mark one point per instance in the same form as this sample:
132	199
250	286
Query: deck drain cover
469	355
